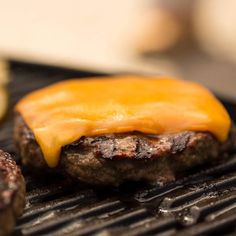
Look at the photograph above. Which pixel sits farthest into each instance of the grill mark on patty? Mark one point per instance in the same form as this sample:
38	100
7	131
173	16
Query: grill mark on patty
179	143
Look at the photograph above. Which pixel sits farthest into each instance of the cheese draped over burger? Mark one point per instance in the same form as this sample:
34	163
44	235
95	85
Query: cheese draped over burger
64	112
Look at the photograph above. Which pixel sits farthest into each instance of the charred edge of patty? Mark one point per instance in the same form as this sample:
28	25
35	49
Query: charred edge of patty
12	193
113	158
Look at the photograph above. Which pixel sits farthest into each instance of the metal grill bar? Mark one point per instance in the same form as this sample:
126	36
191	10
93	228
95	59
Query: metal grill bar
167	225
57	219
192	197
71	201
217	227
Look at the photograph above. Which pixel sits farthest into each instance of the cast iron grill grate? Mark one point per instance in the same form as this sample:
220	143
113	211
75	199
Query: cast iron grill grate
202	204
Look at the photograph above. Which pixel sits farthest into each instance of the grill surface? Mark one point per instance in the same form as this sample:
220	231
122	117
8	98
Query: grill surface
202	204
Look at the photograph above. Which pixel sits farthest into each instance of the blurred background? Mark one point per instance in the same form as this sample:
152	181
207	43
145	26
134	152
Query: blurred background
194	40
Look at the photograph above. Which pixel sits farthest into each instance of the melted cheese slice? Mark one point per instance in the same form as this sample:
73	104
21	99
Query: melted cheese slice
64	112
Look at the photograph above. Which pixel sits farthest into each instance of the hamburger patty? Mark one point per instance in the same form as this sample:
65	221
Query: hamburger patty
113	158
12	193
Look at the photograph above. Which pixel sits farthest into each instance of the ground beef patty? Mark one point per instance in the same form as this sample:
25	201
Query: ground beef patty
12	193
113	158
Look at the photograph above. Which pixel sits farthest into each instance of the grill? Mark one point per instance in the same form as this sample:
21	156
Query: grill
200	204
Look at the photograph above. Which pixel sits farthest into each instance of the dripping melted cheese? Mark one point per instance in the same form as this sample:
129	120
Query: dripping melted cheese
64	112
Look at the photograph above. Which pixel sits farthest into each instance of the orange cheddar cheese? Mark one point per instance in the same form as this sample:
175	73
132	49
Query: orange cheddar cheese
64	112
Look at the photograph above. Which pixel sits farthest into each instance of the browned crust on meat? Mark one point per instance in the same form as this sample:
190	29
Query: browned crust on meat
12	193
91	159
27	146
114	158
